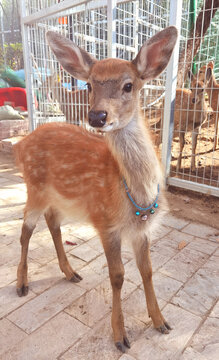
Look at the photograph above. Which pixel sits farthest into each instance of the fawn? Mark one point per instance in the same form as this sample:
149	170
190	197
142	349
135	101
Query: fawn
212	90
190	113
69	171
73	104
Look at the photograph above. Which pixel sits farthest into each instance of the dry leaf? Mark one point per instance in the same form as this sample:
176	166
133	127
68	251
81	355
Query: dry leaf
182	244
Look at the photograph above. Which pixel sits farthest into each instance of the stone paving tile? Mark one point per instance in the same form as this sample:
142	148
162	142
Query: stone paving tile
135	305
206	341
10	254
9	300
85	252
10	335
8	274
96	244
98	343
202	231
127	357
99	265
75	262
215	311
175	222
158	260
184	264
105	290
132	273
89	308
201	291
160	232
84	232
191	354
216	252
165	286
42	255
45	277
207	247
11	212
175	237
156	346
37	311
48	342
90	278
163	247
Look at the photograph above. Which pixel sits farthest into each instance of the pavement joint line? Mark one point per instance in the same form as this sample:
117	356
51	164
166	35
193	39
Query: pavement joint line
203	320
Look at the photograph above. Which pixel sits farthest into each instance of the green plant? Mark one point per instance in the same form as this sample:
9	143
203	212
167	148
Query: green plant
13	54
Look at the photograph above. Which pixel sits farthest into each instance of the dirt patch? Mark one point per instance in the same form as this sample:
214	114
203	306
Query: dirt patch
194	206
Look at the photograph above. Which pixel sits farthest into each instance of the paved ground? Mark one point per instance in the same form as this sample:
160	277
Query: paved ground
66	321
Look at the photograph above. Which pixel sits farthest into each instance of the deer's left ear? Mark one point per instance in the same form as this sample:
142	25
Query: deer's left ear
155	54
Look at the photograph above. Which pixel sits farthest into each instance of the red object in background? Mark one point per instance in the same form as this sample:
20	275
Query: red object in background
15	95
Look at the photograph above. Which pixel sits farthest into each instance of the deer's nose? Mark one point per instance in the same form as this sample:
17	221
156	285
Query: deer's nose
97	118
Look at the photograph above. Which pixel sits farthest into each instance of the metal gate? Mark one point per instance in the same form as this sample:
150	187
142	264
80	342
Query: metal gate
118	29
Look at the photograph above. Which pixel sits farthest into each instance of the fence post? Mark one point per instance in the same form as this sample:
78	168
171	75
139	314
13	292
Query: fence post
27	67
170	91
111	28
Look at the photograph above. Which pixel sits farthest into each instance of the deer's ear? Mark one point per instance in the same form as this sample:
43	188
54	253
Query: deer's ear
208	74
155	54
74	60
190	75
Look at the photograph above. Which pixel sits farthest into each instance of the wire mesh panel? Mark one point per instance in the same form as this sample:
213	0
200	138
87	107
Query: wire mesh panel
195	153
59	97
119	28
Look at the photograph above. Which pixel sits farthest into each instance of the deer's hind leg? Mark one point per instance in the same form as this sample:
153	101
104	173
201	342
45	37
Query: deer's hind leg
31	217
53	222
143	260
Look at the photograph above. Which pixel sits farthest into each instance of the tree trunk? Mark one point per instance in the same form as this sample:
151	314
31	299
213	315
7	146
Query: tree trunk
195	38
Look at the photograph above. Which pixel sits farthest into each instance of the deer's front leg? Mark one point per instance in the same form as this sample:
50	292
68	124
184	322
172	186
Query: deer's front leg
112	248
142	251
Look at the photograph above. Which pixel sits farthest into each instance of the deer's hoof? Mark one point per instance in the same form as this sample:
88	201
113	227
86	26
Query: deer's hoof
121	346
76	278
23	291
164	329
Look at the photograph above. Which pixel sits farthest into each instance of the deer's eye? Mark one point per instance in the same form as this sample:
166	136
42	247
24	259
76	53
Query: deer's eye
89	87
128	87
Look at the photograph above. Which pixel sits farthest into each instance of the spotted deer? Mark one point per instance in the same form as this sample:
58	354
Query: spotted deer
212	90
115	182
190	113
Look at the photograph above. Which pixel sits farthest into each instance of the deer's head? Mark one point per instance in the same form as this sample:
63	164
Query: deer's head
114	84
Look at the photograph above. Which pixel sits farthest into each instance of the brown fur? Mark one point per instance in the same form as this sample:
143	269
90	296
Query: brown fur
70	172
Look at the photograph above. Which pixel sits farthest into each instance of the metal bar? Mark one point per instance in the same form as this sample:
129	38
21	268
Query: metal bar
52	10
190	185
65	5
136	21
171	81
111	28
27	68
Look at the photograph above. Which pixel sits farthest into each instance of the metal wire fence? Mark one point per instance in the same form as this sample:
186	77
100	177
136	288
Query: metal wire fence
118	29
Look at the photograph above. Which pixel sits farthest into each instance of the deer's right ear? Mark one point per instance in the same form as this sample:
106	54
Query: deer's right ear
155	54
76	61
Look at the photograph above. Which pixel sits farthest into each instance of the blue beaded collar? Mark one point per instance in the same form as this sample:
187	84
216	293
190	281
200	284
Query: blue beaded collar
153	205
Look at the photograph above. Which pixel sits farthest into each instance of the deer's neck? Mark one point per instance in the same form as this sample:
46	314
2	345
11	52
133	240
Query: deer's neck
135	154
